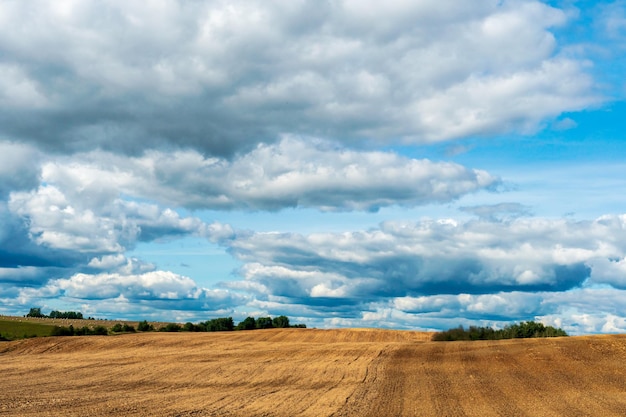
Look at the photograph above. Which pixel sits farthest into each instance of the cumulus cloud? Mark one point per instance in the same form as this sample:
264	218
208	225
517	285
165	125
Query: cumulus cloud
587	310
577	311
22	260
56	221
434	257
295	172
160	290
70	216
116	118
221	77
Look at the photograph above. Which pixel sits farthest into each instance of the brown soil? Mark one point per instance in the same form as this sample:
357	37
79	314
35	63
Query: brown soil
309	372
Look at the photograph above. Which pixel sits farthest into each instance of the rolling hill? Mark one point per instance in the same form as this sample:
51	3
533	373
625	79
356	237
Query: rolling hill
311	372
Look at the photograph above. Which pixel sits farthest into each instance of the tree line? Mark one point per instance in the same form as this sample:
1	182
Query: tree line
221	324
81	331
54	314
226	324
528	329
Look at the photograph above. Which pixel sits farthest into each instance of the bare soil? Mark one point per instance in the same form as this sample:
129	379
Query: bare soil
310	372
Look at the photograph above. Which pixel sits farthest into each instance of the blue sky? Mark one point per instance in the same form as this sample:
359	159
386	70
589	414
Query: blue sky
406	164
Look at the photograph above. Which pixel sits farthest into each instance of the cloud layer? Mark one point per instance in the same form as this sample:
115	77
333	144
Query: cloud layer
223	76
440	271
68	221
305	173
123	125
436	257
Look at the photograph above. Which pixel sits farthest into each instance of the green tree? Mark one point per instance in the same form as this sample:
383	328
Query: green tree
522	330
222	324
62	331
35	312
190	327
171	327
249	323
281	322
264	323
73	315
144	326
100	331
82	331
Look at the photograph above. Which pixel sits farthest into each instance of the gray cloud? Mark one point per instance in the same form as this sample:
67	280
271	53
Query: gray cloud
24	261
221	77
434	259
20	167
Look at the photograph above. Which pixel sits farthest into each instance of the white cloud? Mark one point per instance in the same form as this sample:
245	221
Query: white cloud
578	311
222	76
496	103
55	223
409	259
120	264
611	271
101	226
156	284
108	261
154	289
296	172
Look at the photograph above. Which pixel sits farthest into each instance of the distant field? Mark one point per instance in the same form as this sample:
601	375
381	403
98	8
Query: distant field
12	327
19	329
310	372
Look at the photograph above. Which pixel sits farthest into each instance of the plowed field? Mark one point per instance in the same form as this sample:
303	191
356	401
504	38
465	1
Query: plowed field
309	372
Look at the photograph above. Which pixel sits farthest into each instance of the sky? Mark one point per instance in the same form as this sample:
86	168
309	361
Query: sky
401	164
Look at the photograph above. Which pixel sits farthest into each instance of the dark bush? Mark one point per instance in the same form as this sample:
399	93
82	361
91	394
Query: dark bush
170	327
62	331
190	327
82	331
100	331
144	326
122	328
526	329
